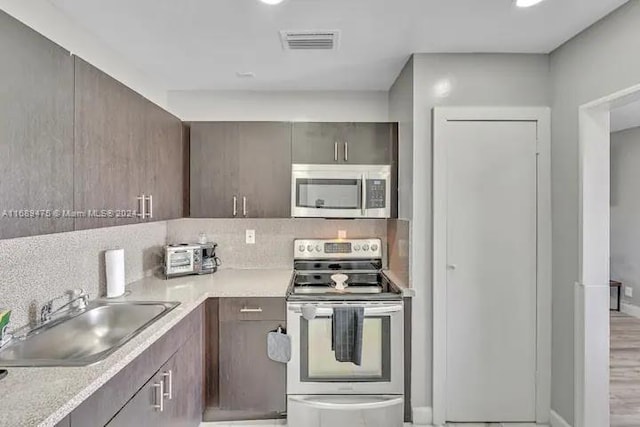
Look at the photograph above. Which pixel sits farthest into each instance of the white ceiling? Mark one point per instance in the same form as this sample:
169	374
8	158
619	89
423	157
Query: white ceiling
202	44
625	117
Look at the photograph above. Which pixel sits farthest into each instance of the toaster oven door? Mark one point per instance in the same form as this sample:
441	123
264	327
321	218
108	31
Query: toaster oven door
180	262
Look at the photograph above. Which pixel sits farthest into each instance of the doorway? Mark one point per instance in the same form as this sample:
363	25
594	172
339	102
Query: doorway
592	292
625	266
491	265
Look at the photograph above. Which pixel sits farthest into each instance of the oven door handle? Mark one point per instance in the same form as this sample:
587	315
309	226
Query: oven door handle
347	406
368	311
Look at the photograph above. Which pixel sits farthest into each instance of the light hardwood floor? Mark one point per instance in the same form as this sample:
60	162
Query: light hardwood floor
625	370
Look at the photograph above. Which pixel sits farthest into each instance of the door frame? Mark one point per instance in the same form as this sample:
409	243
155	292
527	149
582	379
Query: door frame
541	115
591	292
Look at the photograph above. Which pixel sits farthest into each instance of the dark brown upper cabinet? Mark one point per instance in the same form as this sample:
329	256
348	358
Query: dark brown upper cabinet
36	132
355	143
240	170
126	147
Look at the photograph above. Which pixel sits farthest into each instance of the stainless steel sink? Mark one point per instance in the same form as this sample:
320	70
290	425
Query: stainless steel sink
84	337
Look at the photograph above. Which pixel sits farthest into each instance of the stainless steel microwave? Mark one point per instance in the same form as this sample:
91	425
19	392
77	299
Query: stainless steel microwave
341	191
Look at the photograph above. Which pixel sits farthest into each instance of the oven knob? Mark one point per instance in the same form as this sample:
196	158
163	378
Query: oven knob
356	247
310	248
301	248
318	248
365	247
374	247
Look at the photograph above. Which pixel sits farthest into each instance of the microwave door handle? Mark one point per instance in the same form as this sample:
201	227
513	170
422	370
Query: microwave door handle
363	194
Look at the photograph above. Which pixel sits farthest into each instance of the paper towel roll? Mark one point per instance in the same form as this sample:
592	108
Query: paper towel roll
114	260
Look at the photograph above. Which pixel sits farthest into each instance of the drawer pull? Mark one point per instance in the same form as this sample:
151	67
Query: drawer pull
159	388
251	310
168	388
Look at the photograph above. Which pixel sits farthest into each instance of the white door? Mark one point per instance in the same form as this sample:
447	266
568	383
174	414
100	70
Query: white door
491	271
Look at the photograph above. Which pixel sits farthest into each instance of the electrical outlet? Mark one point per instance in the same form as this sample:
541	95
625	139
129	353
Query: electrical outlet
342	234
628	291
250	237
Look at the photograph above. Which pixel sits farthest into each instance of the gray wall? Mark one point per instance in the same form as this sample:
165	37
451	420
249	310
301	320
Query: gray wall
600	61
401	111
625	210
465	80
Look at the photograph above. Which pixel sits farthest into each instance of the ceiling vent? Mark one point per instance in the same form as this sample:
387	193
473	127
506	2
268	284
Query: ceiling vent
310	40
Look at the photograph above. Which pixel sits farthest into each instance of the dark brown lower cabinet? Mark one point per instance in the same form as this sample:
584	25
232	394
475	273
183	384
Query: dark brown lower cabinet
247	384
66	422
172	396
173	365
184	408
143	408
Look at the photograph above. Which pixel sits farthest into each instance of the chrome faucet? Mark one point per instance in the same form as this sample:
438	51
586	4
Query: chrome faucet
78	300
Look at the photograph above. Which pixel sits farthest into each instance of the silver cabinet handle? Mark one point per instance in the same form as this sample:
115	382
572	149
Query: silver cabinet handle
335	151
159	388
150	207
168	376
244	206
235	206
251	310
364	195
346	151
142	206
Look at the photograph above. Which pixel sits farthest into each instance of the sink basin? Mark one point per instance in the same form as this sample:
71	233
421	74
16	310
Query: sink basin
85	337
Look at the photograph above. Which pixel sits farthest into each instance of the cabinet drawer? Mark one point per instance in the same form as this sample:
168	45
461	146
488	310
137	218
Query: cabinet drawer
252	309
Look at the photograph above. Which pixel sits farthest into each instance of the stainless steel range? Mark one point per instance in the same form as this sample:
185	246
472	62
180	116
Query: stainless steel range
321	390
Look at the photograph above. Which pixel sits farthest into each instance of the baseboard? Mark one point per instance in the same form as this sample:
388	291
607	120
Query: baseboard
630	309
557	421
422	416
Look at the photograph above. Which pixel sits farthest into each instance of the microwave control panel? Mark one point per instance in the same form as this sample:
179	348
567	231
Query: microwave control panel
376	193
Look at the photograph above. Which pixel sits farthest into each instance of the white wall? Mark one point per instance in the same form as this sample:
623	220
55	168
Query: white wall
401	111
314	106
454	79
598	62
49	21
625	210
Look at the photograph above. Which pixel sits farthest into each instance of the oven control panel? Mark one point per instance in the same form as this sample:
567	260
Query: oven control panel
337	248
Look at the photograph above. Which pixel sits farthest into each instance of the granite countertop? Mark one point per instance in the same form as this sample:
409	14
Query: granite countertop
44	396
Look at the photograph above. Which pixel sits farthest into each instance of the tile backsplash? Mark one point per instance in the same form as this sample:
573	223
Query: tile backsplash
36	269
274	237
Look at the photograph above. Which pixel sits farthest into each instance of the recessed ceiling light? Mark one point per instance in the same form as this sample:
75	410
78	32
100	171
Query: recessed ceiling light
245	74
272	2
526	3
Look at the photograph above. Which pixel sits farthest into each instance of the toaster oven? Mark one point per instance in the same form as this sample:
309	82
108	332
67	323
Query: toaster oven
185	259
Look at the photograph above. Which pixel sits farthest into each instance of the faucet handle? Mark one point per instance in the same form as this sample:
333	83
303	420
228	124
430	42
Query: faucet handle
45	311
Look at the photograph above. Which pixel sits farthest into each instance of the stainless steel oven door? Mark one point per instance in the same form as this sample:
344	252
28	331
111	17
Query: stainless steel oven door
340	191
313	368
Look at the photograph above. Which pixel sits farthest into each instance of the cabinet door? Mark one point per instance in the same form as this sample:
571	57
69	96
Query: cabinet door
142	409
317	143
214	169
109	158
249	380
265	170
183	378
163	163
36	130
368	144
